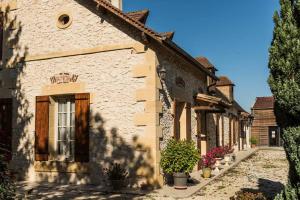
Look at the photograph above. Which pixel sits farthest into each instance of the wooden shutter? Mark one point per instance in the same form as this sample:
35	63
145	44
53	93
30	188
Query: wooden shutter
82	114
42	128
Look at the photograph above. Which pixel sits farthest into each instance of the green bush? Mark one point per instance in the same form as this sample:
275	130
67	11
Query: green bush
179	156
7	189
253	140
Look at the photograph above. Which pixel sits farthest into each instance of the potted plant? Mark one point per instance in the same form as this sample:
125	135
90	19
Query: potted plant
207	163
116	175
218	153
179	159
253	142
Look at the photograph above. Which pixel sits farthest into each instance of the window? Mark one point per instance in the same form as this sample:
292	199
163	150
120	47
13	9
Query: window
62	128
65	137
64	20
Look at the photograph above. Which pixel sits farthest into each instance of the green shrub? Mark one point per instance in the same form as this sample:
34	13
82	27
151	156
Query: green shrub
253	140
7	189
179	156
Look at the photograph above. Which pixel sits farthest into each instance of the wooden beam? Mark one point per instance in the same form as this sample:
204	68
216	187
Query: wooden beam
211	109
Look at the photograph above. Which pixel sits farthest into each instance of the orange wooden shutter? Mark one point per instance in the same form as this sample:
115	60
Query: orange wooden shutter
42	128
82	114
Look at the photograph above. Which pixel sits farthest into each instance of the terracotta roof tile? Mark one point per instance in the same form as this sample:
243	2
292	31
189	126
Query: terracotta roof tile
103	4
238	106
205	62
264	103
224	81
141	15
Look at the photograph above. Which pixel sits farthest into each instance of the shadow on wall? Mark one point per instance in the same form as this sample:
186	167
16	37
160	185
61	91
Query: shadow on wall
13	66
106	146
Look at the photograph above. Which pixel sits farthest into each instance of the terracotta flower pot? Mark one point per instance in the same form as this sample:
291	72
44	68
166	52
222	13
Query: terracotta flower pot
253	146
180	180
206	172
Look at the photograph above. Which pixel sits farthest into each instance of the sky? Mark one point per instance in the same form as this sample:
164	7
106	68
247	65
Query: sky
234	35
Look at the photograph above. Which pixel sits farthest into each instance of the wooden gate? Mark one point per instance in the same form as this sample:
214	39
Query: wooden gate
6	128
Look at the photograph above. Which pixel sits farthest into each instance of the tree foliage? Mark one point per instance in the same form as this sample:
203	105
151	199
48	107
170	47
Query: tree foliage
284	81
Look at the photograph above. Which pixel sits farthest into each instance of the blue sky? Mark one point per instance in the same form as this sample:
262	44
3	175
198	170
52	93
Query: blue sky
233	34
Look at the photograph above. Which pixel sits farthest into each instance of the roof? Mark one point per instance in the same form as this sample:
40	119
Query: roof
141	15
224	81
164	41
168	35
238	107
221	95
234	103
212	99
264	103
205	62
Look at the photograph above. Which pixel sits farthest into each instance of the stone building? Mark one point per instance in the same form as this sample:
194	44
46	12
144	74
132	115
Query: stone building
84	84
265	128
229	124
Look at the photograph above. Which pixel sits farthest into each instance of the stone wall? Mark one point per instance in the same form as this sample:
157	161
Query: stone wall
107	74
89	28
195	81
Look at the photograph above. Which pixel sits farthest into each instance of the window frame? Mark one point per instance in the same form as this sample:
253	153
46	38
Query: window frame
69	99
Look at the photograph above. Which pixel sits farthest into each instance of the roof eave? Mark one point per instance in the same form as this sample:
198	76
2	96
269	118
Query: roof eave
176	48
141	27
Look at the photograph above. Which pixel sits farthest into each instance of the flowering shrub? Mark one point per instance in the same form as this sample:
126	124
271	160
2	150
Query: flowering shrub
228	149
218	152
208	160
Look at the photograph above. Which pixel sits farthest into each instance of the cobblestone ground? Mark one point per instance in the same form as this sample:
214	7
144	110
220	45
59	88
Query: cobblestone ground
266	172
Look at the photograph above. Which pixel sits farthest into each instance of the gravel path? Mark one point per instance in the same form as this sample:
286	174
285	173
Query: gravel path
266	172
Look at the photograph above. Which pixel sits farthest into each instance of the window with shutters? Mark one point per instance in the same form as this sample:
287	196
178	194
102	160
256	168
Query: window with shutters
65	128
62	128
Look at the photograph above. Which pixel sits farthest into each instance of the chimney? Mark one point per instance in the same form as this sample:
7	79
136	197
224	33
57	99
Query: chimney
117	3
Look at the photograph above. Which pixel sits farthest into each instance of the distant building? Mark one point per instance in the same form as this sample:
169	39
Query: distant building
264	126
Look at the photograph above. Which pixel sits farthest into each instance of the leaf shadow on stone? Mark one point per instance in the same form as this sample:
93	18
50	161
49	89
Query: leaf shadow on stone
267	187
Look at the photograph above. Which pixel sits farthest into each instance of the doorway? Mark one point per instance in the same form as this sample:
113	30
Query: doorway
274	136
6	128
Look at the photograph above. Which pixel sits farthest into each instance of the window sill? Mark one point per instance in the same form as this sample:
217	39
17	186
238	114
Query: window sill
64	167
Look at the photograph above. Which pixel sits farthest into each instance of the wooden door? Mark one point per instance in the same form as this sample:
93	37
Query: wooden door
274	136
6	128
